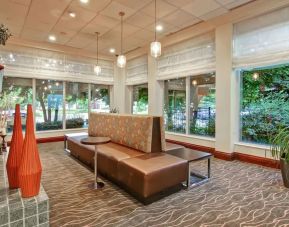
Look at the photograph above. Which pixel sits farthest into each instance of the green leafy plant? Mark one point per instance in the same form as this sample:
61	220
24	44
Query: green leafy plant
280	145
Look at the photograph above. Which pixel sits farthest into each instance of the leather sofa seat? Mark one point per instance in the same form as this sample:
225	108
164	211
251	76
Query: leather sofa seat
151	173
109	155
84	153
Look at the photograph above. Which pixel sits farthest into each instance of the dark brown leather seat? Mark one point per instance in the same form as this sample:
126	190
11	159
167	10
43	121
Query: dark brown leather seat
149	174
84	153
109	155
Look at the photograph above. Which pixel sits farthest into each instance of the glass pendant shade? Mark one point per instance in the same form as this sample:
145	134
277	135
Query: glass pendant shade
121	61
156	49
97	70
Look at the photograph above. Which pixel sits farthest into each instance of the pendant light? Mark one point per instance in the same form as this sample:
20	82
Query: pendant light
97	68
121	59
156	47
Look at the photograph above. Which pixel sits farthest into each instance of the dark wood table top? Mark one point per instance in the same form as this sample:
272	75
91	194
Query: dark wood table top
189	154
91	140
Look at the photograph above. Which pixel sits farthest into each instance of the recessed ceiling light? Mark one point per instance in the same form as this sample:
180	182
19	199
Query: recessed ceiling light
84	1
72	14
52	38
112	50
159	28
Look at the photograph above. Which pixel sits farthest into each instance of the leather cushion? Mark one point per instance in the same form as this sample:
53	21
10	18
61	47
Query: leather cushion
110	154
149	174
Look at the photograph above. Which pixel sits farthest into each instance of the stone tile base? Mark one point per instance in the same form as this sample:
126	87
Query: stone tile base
16	211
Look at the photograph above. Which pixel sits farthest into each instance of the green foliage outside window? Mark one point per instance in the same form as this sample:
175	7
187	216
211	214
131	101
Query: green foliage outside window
265	103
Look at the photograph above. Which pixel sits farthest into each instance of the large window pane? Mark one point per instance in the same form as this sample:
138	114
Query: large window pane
99	98
264	103
49	101
16	90
140	99
202	105
76	107
175	105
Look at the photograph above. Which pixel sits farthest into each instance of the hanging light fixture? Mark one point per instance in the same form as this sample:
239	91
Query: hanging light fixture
121	59
97	68
156	47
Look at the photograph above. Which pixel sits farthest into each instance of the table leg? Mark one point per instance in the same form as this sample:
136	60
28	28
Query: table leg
209	167
96	184
189	176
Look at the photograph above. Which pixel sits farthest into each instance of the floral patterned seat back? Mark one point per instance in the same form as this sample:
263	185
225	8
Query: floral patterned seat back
128	130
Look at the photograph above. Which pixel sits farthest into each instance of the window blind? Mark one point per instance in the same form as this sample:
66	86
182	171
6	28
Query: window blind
262	40
188	58
137	71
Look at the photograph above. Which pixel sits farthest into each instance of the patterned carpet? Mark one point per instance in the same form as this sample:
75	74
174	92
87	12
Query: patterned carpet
238	194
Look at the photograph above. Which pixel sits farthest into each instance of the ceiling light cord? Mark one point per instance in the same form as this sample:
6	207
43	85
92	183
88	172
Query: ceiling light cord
155	20
121	34
97	48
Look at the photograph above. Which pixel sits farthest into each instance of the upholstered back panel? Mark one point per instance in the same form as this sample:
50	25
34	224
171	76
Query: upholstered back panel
129	130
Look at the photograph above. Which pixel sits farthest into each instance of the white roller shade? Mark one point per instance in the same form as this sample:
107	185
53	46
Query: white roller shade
262	40
188	58
37	63
137	71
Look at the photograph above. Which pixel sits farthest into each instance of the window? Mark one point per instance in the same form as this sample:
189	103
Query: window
99	98
140	99
175	105
264	103
49	105
202	105
16	91
76	105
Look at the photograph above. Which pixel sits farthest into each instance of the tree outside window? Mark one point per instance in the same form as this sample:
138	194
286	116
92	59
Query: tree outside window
202	105
76	105
16	91
175	105
49	105
264	103
140	99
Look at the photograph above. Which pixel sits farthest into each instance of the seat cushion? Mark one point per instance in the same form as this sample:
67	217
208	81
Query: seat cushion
108	156
152	173
84	153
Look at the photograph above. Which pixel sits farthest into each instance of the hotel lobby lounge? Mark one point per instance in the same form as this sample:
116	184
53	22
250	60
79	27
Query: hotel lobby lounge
144	113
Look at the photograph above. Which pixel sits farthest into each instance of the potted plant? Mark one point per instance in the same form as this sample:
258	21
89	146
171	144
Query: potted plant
280	150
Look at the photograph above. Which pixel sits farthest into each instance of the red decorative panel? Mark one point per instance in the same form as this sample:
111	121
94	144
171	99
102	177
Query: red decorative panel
15	152
30	168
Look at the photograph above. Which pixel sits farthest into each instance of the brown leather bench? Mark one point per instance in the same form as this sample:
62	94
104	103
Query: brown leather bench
134	159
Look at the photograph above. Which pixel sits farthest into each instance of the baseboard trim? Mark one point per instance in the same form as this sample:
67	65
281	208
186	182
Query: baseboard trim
257	160
50	139
192	146
231	156
46	140
224	155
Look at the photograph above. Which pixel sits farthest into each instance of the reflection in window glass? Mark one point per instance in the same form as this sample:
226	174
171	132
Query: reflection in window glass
264	103
49	101
76	106
16	91
175	105
99	98
140	99
202	105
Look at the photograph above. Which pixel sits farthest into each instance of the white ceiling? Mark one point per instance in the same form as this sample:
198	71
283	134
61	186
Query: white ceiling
37	19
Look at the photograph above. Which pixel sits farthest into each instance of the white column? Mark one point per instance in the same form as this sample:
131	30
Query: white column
128	99
155	89
119	89
227	90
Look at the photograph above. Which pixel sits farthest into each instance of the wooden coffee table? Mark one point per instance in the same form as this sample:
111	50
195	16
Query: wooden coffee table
190	155
95	141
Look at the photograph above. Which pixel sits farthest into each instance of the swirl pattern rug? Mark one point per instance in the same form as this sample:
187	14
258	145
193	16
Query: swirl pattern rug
238	194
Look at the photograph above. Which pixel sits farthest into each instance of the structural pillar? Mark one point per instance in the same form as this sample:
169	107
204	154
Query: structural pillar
227	90
155	89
